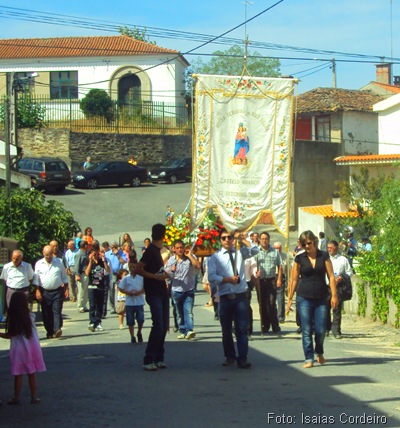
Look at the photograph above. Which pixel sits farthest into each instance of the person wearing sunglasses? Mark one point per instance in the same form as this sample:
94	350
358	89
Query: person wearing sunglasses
226	271
308	278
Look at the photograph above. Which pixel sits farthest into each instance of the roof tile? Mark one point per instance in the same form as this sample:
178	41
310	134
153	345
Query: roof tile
336	100
327	211
367	159
62	47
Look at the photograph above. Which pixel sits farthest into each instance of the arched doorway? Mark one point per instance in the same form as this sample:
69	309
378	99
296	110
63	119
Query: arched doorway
129	89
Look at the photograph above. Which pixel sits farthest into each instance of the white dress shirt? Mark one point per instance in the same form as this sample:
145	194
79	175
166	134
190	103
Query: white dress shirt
50	276
17	277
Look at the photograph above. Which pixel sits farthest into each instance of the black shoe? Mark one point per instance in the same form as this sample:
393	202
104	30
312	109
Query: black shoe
140	337
216	318
243	364
337	335
299	330
229	362
277	330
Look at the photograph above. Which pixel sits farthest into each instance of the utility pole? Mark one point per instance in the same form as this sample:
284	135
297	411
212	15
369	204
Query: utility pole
11	127
333	73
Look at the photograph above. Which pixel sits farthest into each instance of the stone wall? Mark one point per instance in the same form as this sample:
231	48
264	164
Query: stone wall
45	142
74	147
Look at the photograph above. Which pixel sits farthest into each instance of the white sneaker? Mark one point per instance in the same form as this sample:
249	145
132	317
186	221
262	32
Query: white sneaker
190	335
181	336
99	328
150	367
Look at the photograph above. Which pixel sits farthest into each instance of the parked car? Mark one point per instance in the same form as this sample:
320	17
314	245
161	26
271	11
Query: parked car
46	172
172	171
106	173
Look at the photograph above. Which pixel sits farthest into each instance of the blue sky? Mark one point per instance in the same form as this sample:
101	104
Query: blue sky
367	27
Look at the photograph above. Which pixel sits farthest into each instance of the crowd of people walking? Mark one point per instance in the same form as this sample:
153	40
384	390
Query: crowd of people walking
121	278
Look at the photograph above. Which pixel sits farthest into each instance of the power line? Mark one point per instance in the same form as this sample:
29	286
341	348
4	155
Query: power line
88	23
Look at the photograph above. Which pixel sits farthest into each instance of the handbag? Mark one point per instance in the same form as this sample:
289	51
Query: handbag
345	289
120	307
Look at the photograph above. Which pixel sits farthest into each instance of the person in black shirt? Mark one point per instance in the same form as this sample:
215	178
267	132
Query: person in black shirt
309	270
151	268
95	270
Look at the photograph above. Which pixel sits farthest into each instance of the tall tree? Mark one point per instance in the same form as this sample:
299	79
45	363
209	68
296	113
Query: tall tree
230	63
136	33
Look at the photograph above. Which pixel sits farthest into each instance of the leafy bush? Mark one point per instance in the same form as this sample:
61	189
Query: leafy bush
377	201
34	221
97	103
30	114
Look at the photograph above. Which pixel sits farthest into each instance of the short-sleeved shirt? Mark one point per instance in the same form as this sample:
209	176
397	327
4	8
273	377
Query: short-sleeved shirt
153	263
50	276
312	284
96	275
17	276
132	283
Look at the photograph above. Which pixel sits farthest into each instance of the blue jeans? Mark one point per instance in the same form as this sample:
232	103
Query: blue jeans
235	310
159	309
313	314
183	302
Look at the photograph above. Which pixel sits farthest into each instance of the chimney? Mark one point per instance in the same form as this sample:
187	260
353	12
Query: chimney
338	205
384	73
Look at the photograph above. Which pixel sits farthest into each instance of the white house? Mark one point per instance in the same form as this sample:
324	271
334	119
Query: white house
69	67
389	125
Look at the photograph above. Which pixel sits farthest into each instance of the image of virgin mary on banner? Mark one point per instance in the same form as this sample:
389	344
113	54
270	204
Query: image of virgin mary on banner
242	150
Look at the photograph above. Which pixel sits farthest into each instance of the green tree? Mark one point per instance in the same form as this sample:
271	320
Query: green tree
33	221
97	103
136	33
230	62
360	193
377	203
30	114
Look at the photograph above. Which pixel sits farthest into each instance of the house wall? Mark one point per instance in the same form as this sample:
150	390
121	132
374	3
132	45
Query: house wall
363	130
389	131
74	147
314	173
167	79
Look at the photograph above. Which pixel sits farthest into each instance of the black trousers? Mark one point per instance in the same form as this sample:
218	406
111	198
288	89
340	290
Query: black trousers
267	302
52	304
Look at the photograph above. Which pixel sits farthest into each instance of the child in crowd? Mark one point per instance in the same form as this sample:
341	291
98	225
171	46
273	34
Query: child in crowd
132	286
25	352
78	239
120	296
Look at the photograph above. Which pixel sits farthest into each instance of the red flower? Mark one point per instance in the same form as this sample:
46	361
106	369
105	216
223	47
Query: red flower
199	242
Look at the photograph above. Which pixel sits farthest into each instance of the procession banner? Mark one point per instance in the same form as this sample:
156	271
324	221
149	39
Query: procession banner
242	150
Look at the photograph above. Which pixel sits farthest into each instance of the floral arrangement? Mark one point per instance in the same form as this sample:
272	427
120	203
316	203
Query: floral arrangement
206	235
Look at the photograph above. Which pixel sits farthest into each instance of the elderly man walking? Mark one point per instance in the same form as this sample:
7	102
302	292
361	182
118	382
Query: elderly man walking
17	275
51	283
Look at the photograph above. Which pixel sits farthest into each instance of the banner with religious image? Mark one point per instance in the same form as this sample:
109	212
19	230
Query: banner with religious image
242	150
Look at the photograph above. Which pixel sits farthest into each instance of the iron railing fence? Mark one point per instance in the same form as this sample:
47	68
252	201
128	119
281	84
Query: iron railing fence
146	117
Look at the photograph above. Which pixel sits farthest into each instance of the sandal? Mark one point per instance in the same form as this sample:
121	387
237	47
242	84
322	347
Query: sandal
13	401
35	400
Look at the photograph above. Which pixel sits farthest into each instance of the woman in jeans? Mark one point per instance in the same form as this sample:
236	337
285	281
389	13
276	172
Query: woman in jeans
310	270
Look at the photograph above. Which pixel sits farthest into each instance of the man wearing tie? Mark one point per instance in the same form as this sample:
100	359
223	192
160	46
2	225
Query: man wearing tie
226	271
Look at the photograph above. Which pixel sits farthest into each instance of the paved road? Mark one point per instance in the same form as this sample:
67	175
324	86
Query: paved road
112	211
95	380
